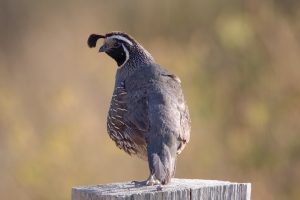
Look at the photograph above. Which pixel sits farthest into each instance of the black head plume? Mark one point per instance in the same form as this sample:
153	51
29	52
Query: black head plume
92	41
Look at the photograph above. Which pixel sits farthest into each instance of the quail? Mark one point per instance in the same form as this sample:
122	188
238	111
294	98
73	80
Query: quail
148	116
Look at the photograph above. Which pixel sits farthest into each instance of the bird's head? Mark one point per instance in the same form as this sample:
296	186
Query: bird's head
120	46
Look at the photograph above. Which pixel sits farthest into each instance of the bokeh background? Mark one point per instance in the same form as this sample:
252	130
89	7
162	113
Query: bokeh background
239	62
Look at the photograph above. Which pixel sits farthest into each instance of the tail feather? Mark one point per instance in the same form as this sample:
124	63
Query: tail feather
162	163
161	172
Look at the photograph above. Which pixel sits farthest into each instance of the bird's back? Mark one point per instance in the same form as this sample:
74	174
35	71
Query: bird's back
165	103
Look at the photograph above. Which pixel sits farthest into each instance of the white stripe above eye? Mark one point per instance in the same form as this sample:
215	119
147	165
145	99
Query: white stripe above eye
119	37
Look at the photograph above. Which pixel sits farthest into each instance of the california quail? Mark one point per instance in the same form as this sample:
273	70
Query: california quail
148	116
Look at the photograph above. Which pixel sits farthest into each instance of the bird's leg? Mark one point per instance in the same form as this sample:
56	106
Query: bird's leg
152	181
149	182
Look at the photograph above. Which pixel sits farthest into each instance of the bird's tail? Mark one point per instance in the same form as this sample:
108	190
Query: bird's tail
162	163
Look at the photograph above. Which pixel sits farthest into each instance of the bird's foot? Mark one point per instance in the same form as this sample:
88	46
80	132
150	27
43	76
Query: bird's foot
139	183
149	182
152	181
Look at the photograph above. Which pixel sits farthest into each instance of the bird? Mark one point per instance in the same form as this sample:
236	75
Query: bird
148	116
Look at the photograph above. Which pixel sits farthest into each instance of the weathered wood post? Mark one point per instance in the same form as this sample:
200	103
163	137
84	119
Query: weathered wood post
193	189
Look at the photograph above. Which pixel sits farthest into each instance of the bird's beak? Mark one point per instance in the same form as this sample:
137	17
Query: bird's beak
103	48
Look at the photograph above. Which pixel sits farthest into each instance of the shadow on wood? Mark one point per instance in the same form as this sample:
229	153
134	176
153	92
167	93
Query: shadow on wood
194	189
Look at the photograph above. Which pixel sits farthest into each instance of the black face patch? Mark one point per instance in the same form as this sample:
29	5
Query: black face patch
118	54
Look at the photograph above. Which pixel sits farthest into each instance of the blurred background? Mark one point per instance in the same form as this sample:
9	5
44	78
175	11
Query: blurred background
239	62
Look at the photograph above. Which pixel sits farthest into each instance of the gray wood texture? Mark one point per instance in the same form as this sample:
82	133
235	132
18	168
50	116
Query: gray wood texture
194	189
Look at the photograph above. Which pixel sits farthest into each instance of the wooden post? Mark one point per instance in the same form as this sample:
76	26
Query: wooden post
193	189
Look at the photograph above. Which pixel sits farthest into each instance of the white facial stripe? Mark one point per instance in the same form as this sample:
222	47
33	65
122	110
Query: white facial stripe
127	55
119	37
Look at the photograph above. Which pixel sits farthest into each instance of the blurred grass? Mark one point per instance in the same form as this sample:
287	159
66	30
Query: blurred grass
239	65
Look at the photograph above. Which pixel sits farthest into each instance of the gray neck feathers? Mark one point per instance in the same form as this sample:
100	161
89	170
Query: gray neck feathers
138	57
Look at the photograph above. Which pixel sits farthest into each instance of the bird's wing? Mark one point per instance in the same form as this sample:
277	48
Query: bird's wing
138	110
158	96
137	99
174	86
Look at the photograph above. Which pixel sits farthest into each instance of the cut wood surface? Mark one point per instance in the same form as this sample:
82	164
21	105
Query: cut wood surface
194	189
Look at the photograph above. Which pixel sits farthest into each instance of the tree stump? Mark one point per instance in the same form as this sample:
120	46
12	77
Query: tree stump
194	189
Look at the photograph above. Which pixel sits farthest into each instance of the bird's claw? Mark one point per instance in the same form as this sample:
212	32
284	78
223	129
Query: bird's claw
149	182
139	183
152	181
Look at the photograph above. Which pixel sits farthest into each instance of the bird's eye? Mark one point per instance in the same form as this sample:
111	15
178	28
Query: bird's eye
116	45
